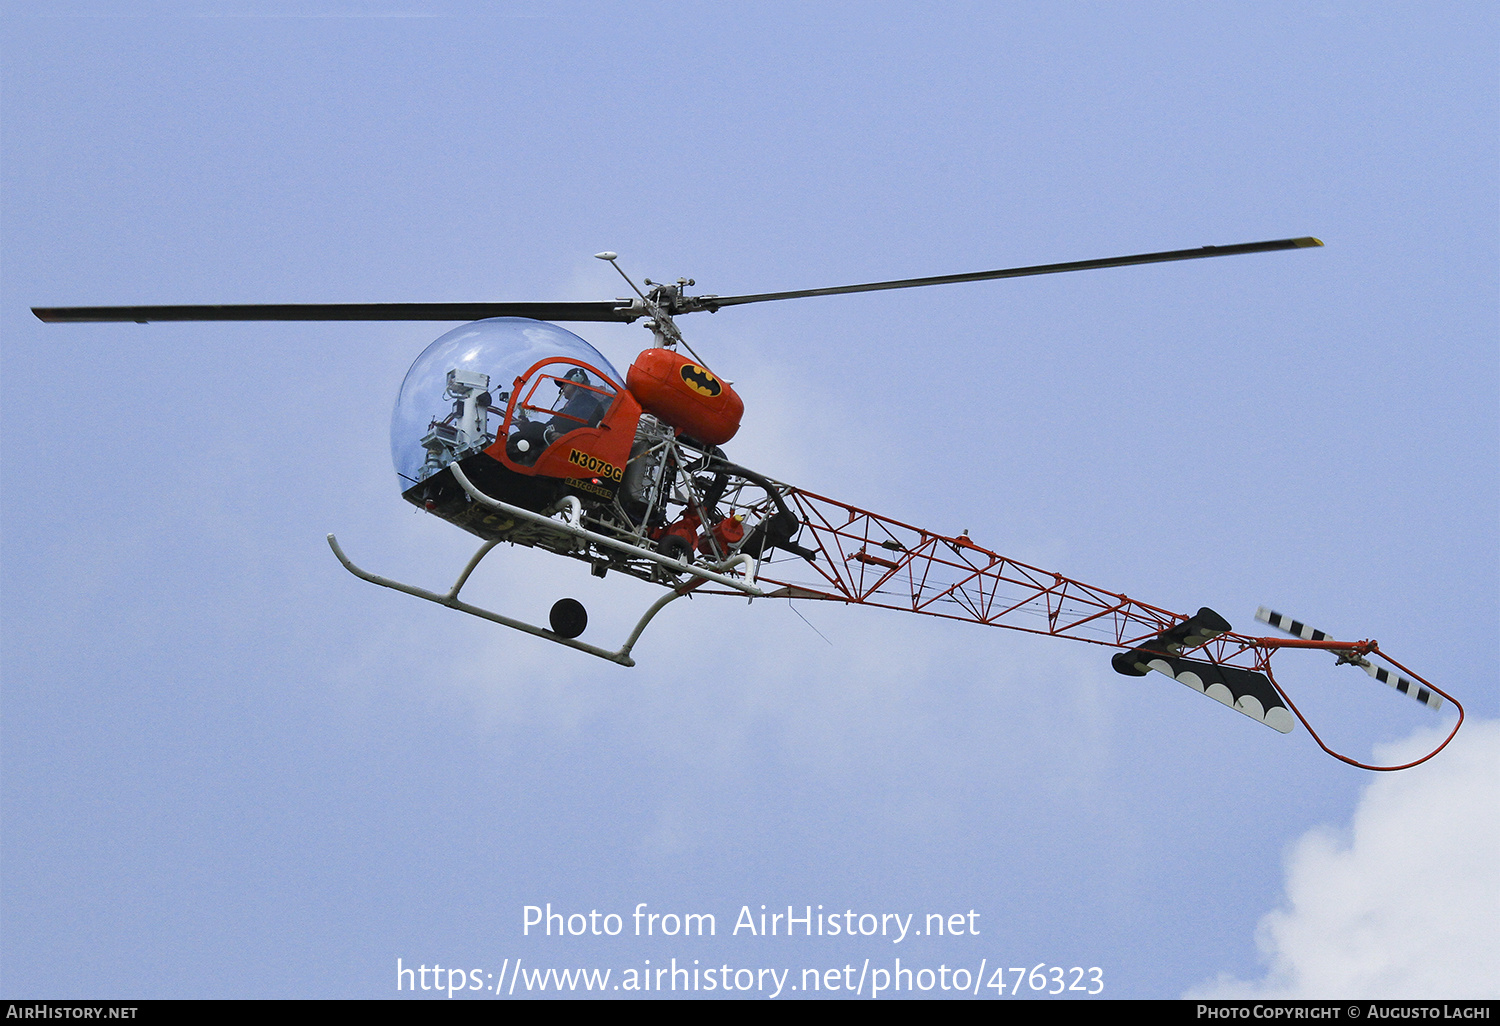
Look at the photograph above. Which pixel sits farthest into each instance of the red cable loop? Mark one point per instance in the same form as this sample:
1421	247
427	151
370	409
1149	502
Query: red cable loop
1375	649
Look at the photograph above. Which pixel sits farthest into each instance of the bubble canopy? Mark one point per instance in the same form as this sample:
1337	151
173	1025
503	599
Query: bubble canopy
485	355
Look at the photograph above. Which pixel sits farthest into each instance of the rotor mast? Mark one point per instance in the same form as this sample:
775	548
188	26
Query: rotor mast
659	304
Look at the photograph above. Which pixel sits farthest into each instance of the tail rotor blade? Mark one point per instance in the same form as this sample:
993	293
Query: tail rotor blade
1285	623
1402	684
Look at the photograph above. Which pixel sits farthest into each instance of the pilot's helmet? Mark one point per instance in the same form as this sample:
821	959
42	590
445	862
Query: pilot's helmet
577	376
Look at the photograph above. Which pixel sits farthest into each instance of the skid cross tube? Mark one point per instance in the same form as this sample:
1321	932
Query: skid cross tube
571	525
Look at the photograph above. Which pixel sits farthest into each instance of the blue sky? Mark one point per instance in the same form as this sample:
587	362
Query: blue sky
231	769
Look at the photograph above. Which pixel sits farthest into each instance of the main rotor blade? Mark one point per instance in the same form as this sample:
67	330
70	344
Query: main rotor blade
715	302
616	311
611	311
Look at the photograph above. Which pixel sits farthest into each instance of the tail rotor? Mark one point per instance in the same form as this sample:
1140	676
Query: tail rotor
1405	685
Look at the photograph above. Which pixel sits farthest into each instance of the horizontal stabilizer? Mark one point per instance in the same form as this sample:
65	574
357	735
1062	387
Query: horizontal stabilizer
1199	629
1242	690
1135	663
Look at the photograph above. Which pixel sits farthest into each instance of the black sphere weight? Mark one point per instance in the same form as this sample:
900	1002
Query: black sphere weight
568	618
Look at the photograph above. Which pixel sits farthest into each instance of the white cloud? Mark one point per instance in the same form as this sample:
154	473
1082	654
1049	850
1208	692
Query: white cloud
1404	904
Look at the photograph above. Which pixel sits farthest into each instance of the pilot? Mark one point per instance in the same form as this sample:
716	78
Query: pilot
582	406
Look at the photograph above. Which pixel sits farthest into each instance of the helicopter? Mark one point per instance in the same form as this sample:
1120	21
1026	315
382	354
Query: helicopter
516	430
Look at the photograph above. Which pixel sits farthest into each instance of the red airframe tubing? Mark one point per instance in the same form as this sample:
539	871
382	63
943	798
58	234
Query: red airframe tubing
919	569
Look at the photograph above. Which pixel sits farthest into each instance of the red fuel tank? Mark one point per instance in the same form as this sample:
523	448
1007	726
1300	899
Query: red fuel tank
685	395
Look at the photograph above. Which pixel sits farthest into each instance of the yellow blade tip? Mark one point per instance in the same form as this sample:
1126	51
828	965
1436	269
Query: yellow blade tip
1308	241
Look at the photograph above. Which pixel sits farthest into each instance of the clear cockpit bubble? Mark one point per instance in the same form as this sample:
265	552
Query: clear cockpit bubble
455	394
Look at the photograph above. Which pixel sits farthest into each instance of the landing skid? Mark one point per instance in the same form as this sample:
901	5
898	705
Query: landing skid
452	601
571	526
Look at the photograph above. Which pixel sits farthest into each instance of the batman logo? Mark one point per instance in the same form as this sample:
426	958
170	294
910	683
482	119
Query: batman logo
700	380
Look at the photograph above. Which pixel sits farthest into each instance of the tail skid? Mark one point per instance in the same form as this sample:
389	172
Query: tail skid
1355	652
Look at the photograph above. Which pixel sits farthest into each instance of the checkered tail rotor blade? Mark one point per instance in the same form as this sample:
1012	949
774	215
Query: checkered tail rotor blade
1402	684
